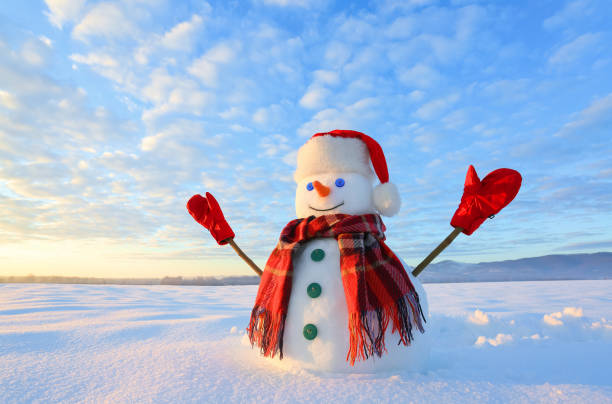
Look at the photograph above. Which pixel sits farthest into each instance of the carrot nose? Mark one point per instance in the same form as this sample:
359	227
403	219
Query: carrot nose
322	190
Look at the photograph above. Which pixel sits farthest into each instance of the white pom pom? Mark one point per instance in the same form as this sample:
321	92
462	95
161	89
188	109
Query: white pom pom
387	199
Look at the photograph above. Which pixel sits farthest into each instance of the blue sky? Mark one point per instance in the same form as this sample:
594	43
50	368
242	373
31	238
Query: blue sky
113	113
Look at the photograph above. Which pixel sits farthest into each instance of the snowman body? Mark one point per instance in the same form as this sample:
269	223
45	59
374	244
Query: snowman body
318	262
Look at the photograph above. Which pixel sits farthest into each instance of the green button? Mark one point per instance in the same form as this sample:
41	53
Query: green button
310	331
317	255
314	290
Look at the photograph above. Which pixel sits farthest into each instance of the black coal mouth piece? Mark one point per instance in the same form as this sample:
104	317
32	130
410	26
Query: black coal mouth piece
325	210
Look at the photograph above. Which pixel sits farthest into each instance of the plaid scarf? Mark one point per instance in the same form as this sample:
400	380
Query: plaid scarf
376	285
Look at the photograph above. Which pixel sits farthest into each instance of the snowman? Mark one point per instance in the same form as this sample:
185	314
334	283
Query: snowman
333	297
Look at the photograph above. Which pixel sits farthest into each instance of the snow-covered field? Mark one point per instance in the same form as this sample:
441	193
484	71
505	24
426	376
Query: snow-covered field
492	342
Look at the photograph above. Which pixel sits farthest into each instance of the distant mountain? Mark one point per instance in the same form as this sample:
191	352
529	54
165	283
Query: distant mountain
548	267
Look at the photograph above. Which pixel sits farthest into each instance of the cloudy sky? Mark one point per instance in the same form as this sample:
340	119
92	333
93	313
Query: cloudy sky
113	113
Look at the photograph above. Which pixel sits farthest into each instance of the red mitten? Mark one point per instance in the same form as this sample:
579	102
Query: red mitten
482	199
207	212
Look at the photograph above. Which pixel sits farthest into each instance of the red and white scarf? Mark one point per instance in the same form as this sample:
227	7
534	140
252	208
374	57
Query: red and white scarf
376	285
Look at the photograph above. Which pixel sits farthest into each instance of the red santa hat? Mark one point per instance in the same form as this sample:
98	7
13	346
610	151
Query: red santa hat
349	151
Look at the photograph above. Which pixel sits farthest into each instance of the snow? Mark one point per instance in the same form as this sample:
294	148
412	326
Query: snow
95	343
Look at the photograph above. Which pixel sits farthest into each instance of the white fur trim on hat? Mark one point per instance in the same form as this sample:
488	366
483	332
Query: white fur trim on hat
387	199
329	154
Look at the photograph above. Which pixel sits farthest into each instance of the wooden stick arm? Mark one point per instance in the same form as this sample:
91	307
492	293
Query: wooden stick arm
445	243
245	257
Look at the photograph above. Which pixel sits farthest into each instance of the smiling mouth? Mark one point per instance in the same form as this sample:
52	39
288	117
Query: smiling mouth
325	210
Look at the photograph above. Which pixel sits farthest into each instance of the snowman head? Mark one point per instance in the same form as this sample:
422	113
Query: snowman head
334	175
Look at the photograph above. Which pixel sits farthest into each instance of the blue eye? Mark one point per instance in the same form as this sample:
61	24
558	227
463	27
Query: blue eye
339	182
309	186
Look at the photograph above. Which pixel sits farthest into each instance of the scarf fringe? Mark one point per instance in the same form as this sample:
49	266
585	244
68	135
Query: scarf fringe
266	330
367	329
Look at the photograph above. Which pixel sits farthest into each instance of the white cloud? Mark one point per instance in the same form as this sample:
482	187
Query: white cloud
61	11
595	116
573	312
553	319
95	59
187	99
82	165
105	19
362	106
170	93
64	120
182	35
420	75
260	116
222	53
365	59
455	119
180	134
212	182
435	107
326	77
427	141
468	19
574	49
435	163
46	41
274	145
269	115
240	128
356	29
107	66
402	27
508	90
500	339
317	94
204	70
149	143
205	67
35	52
478	317
337	54
231	112
407	5
290	158
288	3
416	95
315	97
572	10
327	119
348	117
8	100
444	46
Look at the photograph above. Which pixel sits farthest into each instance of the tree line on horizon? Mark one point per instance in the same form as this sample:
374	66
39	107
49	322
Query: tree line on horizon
167	280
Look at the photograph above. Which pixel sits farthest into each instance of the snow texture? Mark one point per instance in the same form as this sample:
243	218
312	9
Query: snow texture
97	343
